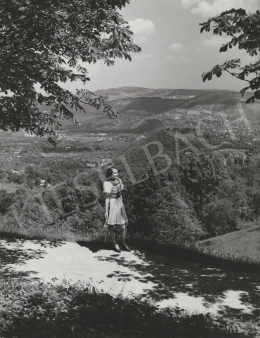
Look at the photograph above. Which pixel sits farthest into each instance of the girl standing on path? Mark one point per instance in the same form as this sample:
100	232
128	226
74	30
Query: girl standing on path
115	212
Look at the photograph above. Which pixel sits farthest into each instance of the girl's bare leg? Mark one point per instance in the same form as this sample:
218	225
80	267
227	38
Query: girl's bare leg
112	232
123	232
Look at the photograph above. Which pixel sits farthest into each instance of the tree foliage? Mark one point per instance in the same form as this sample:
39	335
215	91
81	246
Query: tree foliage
66	310
244	32
220	217
44	43
201	176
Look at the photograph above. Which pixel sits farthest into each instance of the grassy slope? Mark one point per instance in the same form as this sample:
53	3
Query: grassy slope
242	243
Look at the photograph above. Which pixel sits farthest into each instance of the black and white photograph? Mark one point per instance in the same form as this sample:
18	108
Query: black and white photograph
129	169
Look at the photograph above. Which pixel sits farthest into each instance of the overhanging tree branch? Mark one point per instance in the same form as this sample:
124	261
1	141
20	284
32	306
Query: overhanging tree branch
245	31
39	40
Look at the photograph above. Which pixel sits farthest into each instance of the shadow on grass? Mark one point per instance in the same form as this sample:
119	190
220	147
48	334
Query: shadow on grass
174	282
16	255
96	245
14	252
164	279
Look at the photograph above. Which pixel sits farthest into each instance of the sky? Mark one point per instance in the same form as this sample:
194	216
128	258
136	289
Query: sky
174	53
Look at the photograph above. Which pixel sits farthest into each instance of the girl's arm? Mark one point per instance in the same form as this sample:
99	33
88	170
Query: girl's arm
121	184
106	192
106	205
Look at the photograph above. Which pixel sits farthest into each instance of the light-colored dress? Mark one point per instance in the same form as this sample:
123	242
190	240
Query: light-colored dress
117	218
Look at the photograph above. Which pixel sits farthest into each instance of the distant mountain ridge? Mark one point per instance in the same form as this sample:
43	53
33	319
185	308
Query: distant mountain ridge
123	92
124	89
143	91
144	110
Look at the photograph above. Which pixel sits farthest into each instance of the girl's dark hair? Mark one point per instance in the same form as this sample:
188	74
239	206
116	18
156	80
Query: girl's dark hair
109	172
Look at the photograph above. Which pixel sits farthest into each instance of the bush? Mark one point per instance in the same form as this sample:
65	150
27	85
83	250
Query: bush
159	209
220	217
174	221
15	177
73	311
6	201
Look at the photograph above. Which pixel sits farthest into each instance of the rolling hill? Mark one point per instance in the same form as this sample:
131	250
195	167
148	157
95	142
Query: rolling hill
122	92
144	110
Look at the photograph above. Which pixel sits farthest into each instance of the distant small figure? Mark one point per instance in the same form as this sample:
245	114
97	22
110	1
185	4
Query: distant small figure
115	211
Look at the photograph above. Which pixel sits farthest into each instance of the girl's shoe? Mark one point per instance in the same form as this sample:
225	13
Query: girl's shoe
126	248
116	248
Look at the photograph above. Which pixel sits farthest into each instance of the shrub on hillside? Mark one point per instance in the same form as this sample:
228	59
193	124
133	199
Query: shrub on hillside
2	174
201	176
17	178
220	217
174	221
12	199
255	202
77	310
159	209
89	222
6	201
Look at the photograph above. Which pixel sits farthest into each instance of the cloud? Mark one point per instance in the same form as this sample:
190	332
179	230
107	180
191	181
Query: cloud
142	29
176	47
170	58
216	41
188	3
142	57
215	7
141	26
184	58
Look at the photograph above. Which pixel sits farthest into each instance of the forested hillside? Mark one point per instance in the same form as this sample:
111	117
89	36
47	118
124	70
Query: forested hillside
189	160
199	195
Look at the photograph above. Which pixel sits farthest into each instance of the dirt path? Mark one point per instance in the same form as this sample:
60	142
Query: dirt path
157	279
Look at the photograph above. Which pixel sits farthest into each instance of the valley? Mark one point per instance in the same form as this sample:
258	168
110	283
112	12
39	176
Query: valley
218	125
